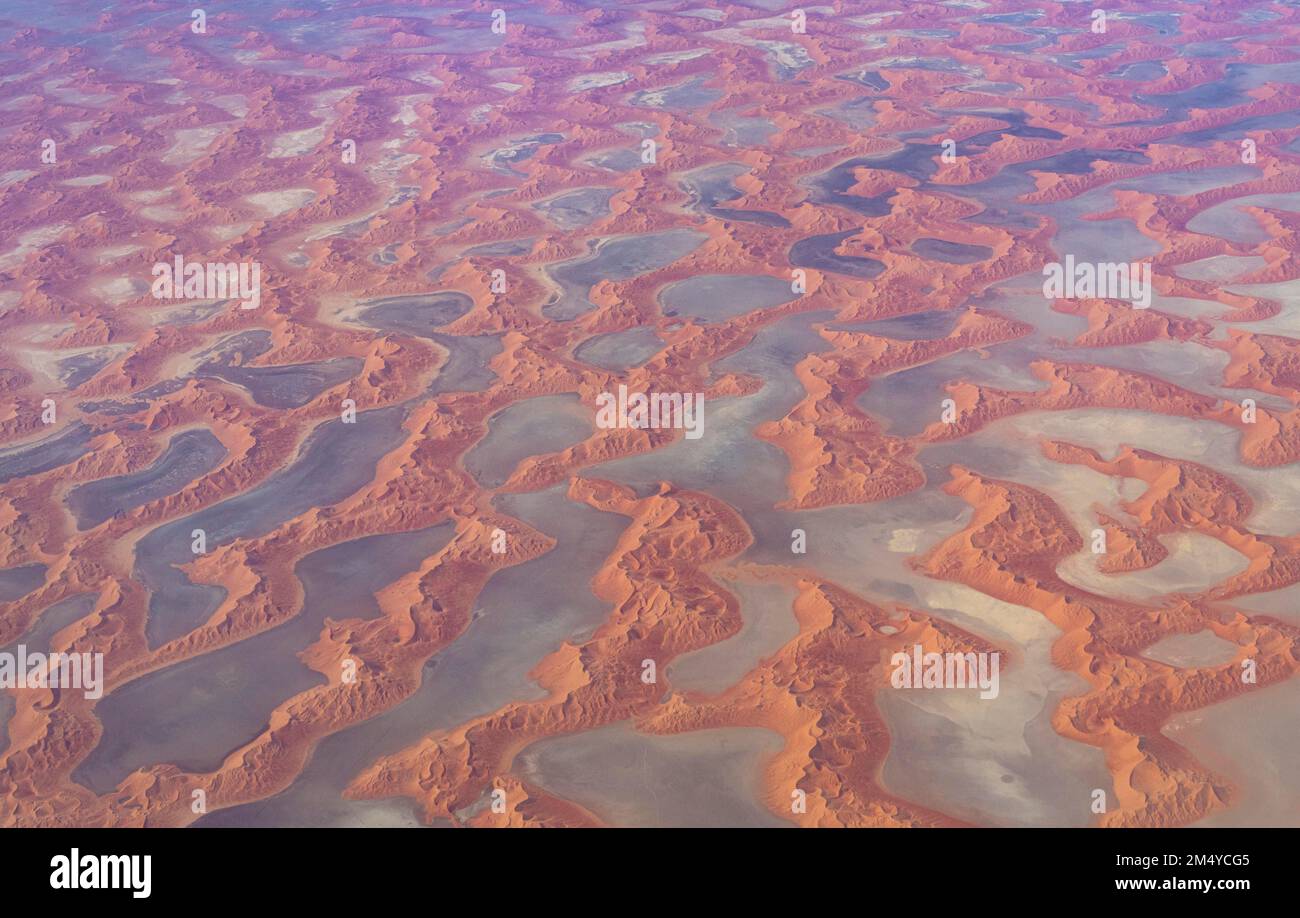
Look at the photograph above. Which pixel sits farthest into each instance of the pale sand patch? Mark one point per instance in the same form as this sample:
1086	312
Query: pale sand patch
29	242
75	129
325	230
64	93
1244	227
114	252
787	54
1131	489
1195	563
705	778
191	143
406	113
1192	309
184	314
1275	491
324	100
1220	267
296	143
1251	740
905	540
1283	603
226	232
161	213
655	98
275	203
1192	651
119	289
1014	625
84	181
768	624
994	761
45	332
674	57
598	80
1287	321
391	163
45	363
235	103
1079	491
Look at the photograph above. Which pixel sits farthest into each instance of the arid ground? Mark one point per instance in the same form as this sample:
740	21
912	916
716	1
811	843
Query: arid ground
329	333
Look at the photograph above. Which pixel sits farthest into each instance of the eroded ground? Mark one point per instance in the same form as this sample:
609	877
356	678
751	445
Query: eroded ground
432	588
